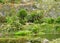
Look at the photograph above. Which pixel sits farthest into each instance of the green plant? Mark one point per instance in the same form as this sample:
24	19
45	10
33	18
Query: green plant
35	17
22	13
1	1
35	28
22	21
23	33
40	33
57	28
9	20
58	20
48	20
47	28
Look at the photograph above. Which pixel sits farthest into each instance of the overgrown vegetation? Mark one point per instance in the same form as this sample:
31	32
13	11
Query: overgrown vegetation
23	25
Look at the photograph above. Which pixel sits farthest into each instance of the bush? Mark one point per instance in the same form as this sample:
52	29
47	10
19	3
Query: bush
34	28
48	20
35	17
22	13
40	33
58	20
22	21
57	29
47	28
1	1
9	20
23	33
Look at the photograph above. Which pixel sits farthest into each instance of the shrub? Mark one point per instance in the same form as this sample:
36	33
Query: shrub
35	28
40	33
48	20
22	21
23	33
35	17
57	29
58	20
1	1
47	28
22	13
9	20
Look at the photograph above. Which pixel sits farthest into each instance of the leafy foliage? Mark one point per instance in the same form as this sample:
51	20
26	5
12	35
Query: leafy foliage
36	19
2	1
22	13
49	20
23	33
58	20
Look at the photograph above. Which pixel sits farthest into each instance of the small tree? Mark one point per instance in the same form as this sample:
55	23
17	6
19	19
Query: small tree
22	13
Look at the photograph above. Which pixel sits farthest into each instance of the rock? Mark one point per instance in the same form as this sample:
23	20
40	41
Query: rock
45	41
37	40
